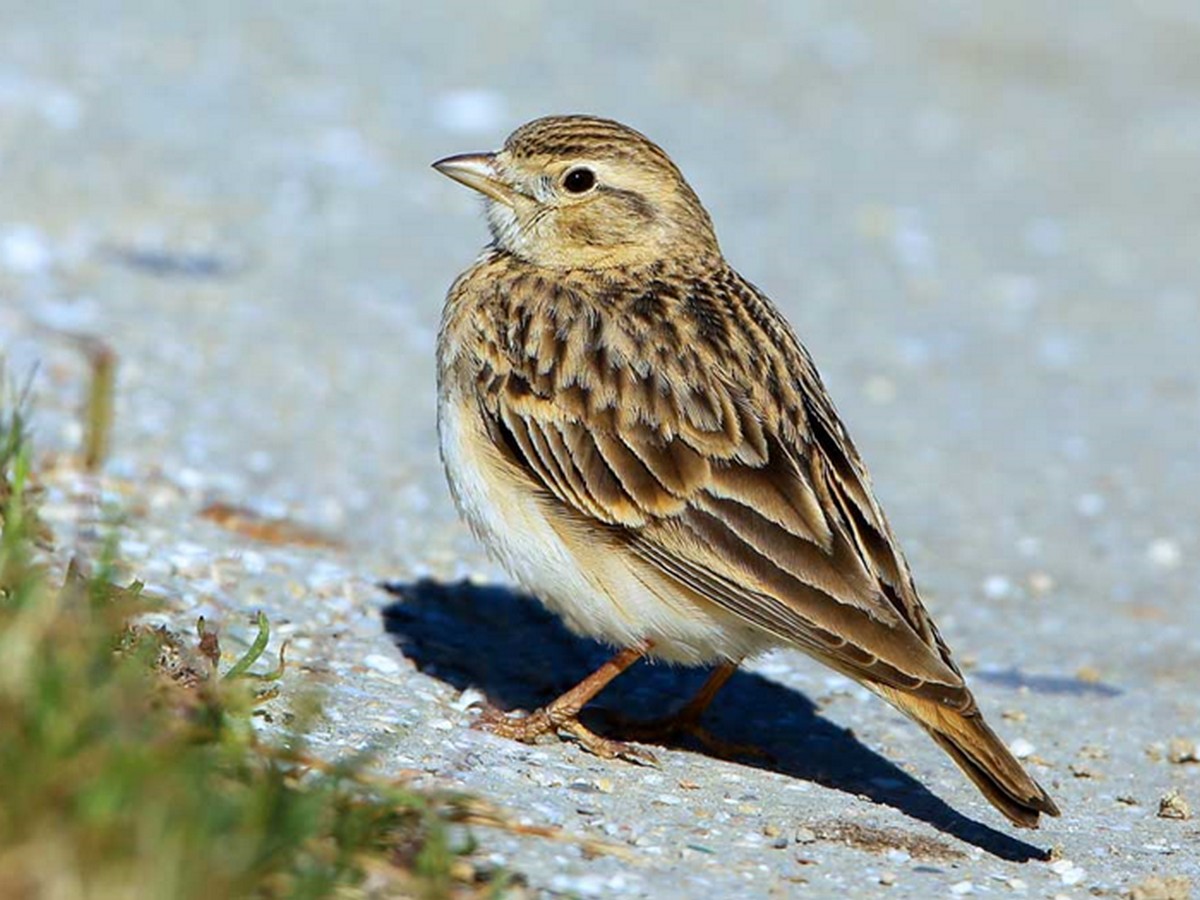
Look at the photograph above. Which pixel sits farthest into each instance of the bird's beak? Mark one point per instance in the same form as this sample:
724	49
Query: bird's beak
478	171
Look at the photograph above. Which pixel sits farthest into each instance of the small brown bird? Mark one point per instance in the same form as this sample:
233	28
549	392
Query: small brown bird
639	437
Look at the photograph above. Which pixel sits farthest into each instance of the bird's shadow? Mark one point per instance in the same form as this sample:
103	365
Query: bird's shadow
508	646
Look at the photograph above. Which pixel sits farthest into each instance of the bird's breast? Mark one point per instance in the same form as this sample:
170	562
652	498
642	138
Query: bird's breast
596	588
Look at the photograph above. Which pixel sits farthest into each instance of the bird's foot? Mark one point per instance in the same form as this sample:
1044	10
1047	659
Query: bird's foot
528	729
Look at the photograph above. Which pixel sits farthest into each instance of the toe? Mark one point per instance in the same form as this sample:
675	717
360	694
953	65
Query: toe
606	748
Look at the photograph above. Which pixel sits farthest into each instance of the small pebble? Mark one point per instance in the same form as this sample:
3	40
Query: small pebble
1022	748
1181	750
1073	877
887	879
962	888
581	885
190	479
545	779
384	665
468	698
996	587
1164	553
805	835
1172	805
25	251
1067	872
1041	582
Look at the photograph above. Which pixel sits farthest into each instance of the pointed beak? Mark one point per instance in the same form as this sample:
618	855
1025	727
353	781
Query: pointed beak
478	171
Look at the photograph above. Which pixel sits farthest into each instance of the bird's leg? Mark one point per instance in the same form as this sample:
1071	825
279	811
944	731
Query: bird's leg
687	717
561	715
686	720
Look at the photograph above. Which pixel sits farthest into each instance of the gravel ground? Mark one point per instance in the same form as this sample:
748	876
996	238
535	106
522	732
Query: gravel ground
981	217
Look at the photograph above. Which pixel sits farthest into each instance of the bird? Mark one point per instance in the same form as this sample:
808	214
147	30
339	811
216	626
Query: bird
637	435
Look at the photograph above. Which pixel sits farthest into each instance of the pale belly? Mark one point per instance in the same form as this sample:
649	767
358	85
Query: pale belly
598	591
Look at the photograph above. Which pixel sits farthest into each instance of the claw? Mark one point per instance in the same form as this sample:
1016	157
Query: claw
528	729
606	748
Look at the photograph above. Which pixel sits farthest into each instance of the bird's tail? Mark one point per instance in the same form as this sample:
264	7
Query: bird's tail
981	755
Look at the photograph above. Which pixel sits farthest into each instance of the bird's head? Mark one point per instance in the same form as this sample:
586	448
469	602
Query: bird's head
577	192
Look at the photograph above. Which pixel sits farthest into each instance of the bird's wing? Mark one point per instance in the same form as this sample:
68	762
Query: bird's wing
757	502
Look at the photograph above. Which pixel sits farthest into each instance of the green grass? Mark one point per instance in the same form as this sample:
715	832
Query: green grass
129	767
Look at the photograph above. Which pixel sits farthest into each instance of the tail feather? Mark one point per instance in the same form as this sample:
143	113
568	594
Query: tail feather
982	756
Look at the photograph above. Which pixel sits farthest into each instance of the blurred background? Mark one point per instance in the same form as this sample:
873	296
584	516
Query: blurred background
982	218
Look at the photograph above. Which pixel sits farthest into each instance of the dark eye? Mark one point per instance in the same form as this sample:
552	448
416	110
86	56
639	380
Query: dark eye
579	180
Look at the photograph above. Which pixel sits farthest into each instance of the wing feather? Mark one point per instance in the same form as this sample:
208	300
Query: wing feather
750	499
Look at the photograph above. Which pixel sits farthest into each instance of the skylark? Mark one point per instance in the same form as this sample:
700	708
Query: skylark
639	437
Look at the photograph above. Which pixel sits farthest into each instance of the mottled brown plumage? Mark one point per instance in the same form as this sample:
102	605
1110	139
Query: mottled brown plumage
639	436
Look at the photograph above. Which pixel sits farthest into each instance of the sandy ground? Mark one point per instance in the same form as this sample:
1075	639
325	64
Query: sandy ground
983	219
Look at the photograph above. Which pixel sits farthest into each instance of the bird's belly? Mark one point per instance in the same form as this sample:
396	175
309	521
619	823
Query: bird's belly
594	589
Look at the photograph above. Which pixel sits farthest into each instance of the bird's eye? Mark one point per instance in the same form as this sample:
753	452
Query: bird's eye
579	180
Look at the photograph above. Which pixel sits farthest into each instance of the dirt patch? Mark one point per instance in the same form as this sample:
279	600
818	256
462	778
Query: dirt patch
880	840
